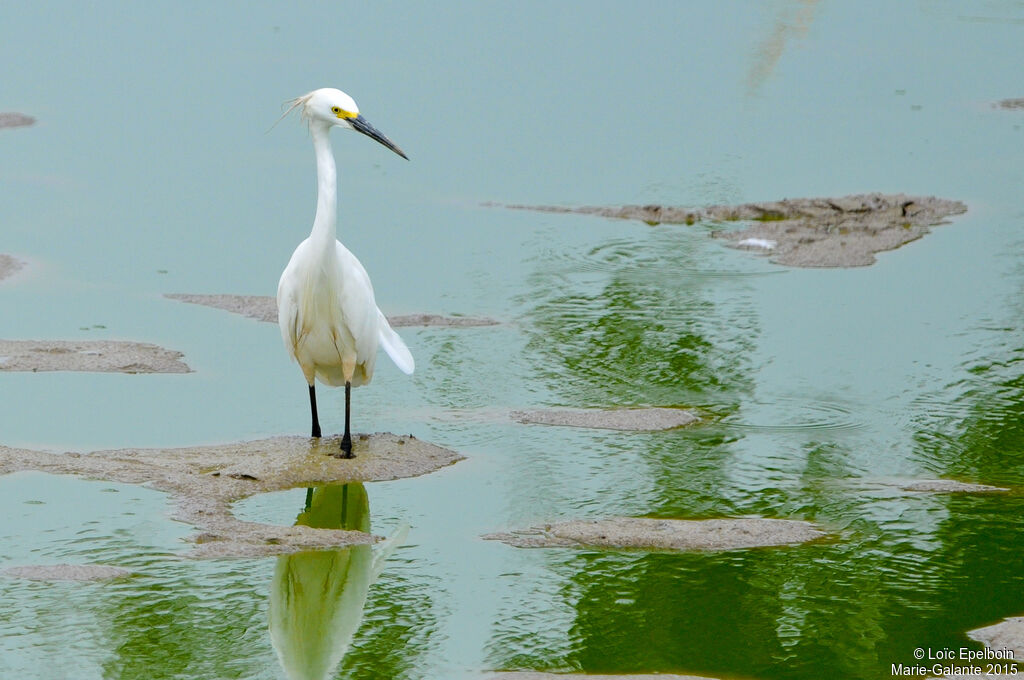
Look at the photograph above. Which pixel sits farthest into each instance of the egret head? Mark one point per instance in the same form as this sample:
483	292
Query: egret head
333	108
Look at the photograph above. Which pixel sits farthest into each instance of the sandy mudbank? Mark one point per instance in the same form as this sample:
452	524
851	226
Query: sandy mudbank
1005	640
631	419
948	486
264	308
67	572
922	486
804	232
663	534
99	356
530	675
9	266
11	119
204	481
409	320
1007	634
259	307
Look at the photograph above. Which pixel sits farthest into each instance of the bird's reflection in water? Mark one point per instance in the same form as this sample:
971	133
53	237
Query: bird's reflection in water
317	598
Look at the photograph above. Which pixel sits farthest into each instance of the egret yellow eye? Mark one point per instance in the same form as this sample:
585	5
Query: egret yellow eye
343	113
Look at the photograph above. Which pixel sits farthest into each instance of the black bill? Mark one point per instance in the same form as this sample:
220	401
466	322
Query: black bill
360	124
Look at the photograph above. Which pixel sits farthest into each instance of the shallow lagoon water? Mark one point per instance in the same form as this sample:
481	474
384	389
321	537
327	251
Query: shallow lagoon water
150	171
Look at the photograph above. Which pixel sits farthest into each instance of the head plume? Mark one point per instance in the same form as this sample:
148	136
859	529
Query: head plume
293	104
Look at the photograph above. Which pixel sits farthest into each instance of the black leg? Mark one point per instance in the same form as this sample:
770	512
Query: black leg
312	408
346	440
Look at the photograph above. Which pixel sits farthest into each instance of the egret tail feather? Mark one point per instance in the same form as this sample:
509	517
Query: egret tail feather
395	346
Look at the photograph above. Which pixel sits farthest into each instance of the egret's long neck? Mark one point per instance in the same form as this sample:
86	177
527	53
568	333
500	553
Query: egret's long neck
325	222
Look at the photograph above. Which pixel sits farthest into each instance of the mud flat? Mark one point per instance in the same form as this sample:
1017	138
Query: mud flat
628	419
803	232
9	266
1010	104
10	120
1007	634
896	486
204	481
530	675
663	534
259	307
67	572
98	356
409	320
949	486
264	308
1005	646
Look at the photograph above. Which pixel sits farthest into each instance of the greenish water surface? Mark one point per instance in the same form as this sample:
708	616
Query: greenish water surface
151	170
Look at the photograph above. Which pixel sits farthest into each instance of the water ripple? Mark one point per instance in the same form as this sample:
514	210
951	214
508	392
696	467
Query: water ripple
661	259
798	415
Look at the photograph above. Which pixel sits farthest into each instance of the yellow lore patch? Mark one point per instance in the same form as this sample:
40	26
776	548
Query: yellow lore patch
342	113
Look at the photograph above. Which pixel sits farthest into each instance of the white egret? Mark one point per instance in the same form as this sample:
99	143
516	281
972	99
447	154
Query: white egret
328	316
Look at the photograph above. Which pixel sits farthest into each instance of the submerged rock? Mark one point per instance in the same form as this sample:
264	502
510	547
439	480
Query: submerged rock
663	534
9	266
632	419
10	119
204	481
98	356
67	572
804	232
264	308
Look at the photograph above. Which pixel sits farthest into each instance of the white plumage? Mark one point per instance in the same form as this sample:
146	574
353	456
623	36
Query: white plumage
329	318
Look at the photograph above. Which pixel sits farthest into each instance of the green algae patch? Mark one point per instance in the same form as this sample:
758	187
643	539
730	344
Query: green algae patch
204	482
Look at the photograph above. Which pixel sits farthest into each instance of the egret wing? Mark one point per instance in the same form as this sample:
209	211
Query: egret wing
288	309
357	306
